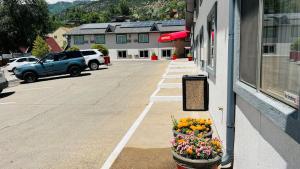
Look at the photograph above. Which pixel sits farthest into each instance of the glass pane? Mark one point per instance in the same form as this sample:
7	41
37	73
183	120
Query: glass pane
281	50
100	39
248	41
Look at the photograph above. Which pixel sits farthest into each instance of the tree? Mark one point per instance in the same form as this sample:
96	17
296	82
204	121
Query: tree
101	48
21	21
123	8
74	48
40	47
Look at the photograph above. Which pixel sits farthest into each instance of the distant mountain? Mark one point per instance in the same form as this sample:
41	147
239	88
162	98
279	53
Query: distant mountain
63	5
98	11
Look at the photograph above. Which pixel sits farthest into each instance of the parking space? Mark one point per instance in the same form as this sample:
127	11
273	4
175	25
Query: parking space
63	122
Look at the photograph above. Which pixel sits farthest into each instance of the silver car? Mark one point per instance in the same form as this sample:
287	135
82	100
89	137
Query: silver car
3	81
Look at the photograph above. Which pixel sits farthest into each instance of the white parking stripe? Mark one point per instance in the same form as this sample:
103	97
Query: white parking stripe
113	156
7	103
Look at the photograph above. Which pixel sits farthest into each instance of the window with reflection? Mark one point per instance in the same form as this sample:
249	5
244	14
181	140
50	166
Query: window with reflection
280	69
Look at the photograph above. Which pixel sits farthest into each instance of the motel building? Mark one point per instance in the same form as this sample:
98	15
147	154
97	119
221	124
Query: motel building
250	52
134	40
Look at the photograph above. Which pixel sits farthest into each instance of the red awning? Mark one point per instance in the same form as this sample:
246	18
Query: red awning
173	36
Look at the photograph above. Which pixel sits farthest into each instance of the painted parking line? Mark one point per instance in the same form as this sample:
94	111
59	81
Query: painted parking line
170	85
5	103
153	98
113	156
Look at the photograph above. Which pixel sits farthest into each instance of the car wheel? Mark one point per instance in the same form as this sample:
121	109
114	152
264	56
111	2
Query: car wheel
30	77
75	71
94	65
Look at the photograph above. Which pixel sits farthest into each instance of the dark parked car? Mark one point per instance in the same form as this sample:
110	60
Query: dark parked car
68	62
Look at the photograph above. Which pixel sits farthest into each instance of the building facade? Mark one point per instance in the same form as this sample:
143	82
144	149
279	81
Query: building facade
131	40
250	51
58	36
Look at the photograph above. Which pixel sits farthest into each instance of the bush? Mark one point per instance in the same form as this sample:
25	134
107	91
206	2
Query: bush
296	45
73	48
101	48
153	54
40	47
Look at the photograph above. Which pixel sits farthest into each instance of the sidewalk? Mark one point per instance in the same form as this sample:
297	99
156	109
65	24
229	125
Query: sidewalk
149	146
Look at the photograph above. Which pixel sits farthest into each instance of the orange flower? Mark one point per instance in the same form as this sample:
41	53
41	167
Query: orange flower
181	141
189	150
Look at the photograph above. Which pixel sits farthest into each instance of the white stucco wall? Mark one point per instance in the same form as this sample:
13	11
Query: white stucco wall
132	47
217	89
259	144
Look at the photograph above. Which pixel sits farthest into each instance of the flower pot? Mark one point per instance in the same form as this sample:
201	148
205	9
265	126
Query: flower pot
174	57
207	135
294	56
186	163
154	57
106	60
190	58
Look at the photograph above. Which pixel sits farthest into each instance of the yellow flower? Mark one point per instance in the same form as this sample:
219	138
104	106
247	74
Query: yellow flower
181	141
193	127
189	150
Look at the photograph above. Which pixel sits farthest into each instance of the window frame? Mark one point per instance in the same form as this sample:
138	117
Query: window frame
76	41
122	54
260	47
104	39
117	35
162	50
139	39
144	54
213	14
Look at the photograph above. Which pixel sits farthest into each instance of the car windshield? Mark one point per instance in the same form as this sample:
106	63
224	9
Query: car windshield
48	58
11	60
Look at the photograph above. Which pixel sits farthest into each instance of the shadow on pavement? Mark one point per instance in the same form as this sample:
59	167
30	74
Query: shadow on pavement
58	77
6	94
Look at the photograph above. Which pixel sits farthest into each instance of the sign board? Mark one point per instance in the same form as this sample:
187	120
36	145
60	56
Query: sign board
195	93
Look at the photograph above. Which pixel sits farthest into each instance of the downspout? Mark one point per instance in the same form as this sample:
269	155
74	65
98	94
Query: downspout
230	129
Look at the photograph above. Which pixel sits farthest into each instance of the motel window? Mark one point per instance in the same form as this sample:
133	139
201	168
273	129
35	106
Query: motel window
166	53
100	39
212	34
144	54
269	49
277	51
143	38
121	39
296	30
122	54
79	40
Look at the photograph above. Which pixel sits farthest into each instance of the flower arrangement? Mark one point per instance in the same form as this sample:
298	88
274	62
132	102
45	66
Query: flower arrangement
192	147
191	126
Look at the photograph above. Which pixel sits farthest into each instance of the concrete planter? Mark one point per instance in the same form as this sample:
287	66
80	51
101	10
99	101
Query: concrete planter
295	56
174	57
207	135
185	163
154	57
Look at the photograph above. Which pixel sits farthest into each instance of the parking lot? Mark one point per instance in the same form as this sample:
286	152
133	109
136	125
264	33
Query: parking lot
63	122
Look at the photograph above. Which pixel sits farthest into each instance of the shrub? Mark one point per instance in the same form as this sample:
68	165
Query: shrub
101	48
296	45
73	48
40	47
153	54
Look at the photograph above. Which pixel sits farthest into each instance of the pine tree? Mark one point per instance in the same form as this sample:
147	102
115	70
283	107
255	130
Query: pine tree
40	47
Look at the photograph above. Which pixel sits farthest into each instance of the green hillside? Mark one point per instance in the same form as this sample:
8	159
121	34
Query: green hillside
105	10
61	6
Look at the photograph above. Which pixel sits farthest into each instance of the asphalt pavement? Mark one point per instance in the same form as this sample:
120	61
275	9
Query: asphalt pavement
67	123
